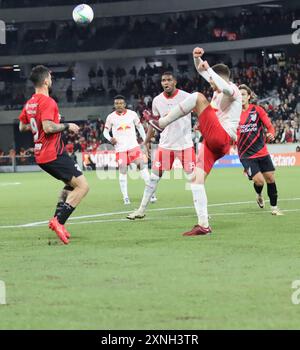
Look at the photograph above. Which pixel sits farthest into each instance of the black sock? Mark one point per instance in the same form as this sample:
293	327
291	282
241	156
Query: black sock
64	214
272	193
59	207
258	189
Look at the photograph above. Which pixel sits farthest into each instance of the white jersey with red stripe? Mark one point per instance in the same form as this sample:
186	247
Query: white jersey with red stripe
228	109
123	129
178	135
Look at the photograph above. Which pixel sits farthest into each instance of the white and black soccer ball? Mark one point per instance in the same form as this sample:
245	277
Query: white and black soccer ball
83	14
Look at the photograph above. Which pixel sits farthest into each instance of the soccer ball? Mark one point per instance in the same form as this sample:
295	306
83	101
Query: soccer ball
83	14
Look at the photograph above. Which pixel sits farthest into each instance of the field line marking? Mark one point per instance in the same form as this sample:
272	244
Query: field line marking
41	223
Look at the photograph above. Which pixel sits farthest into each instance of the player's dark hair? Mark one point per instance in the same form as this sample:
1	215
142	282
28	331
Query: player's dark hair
222	69
38	75
249	91
169	73
119	97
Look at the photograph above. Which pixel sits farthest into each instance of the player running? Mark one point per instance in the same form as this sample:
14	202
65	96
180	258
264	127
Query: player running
41	116
123	123
175	140
218	122
253	151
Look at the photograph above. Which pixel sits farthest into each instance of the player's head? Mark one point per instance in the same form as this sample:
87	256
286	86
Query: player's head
41	77
168	82
223	71
119	103
246	93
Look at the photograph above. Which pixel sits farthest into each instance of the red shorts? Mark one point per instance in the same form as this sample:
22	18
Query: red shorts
164	159
216	140
129	156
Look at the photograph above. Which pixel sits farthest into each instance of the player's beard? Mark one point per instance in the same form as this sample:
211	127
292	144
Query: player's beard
50	90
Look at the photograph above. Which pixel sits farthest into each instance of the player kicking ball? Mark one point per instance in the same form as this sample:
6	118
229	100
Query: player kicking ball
218	122
253	150
41	116
123	122
175	140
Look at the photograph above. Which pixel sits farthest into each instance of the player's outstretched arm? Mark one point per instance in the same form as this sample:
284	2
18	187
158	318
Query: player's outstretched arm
50	127
24	127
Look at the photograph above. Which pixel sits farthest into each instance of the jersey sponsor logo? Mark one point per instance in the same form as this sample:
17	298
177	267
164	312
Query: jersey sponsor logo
248	128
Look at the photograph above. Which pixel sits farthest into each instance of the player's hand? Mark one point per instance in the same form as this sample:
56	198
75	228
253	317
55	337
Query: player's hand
270	137
198	52
113	141
73	128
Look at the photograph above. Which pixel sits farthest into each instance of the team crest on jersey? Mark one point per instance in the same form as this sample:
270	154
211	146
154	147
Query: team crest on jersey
253	116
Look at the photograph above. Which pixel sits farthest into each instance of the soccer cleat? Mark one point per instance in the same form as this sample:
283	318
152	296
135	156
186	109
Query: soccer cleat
260	201
198	230
59	229
153	199
155	125
276	211
126	201
137	214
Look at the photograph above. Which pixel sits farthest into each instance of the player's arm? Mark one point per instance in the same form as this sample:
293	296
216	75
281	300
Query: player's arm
23	121
267	123
107	129
24	127
209	74
139	127
50	127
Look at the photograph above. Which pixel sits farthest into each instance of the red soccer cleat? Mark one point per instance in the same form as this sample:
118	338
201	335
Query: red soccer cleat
198	230
59	229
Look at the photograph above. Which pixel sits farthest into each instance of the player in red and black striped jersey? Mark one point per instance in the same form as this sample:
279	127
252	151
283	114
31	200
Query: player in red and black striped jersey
253	151
41	116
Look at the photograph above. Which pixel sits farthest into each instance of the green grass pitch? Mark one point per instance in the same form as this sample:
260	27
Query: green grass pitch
118	274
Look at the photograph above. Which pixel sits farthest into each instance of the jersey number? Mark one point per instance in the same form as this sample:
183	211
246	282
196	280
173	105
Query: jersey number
34	129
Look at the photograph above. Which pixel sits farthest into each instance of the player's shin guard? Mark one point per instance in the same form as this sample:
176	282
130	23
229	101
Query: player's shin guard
200	203
65	213
272	193
258	189
123	185
182	109
149	191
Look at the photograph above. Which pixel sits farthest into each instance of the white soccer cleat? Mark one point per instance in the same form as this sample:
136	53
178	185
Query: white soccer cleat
137	214
126	201
276	211
153	199
260	201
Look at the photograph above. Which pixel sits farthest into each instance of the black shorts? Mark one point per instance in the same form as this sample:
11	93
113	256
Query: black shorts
63	168
256	165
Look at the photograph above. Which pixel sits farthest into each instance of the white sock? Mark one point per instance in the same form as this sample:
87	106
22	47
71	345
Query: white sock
149	190
145	175
182	109
123	184
200	203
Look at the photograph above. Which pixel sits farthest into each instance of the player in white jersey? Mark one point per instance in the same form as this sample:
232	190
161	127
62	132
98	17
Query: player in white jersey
175	140
123	124
218	122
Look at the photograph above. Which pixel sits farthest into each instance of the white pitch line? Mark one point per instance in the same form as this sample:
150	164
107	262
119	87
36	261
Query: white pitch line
10	183
179	216
40	223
